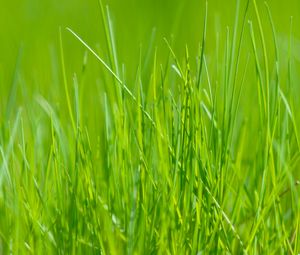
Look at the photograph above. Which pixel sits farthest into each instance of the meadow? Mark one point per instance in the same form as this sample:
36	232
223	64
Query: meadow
150	127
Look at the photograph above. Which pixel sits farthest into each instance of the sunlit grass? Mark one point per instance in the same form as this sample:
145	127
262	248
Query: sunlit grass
199	155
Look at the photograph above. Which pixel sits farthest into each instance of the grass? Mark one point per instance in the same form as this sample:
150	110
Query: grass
189	153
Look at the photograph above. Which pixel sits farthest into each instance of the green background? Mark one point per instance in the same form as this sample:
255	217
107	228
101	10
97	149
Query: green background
34	25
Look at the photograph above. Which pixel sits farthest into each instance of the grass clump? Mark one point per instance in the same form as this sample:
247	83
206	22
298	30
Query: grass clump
195	155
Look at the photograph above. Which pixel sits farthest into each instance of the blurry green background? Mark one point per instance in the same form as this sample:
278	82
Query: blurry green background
32	28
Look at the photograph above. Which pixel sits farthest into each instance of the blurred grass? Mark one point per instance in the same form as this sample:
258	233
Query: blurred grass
34	26
31	29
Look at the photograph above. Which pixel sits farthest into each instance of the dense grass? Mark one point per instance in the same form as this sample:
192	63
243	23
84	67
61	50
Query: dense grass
178	150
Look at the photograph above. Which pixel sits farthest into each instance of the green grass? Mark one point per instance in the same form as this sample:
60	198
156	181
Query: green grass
186	144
